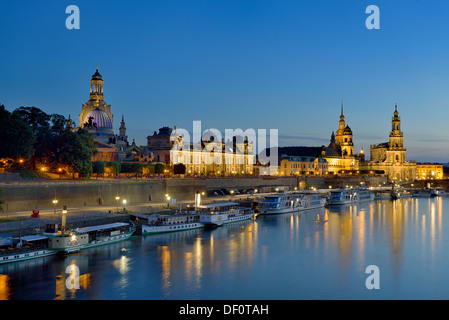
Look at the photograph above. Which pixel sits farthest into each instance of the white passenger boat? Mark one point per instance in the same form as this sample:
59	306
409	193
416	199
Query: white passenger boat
362	194
281	203
311	200
437	192
423	194
342	196
65	242
400	194
382	195
25	248
217	214
348	196
172	223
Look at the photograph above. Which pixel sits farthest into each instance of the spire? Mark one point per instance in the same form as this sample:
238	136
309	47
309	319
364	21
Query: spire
342	106
396	113
70	124
342	117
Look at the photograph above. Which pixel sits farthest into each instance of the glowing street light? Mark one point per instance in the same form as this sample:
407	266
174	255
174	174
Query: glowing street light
168	200
117	198
124	205
55	202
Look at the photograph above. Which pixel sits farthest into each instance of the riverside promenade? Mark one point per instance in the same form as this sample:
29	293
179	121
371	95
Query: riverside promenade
18	223
98	201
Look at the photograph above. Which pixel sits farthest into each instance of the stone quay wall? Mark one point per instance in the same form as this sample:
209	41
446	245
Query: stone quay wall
29	195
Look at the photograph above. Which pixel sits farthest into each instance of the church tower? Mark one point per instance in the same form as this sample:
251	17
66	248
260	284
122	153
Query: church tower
396	151
96	112
122	130
396	136
344	136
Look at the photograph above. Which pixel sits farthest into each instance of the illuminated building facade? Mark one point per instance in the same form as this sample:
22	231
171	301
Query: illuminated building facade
340	152
429	171
302	165
389	157
231	158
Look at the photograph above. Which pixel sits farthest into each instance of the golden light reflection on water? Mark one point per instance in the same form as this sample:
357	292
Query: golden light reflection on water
5	288
122	266
227	248
61	290
165	267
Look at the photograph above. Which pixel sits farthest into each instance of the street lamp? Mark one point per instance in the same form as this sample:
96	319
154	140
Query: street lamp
117	198
168	201
54	203
124	205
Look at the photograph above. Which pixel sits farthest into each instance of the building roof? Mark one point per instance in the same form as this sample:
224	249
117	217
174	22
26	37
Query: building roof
102	227
301	158
315	152
380	145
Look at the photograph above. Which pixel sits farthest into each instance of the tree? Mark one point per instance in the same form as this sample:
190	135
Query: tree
132	167
179	168
75	150
113	167
16	137
98	167
159	168
148	168
39	122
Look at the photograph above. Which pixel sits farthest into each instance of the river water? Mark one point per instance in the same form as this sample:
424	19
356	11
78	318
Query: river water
315	254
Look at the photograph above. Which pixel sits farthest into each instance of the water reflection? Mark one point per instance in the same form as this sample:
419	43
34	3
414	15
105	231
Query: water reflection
316	254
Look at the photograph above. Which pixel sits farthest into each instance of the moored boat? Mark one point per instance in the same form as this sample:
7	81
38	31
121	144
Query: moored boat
342	196
382	195
281	203
25	248
362	194
311	200
217	214
423	194
437	192
172	223
66	242
348	196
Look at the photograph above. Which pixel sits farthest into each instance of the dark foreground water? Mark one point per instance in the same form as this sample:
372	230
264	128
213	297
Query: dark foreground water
316	254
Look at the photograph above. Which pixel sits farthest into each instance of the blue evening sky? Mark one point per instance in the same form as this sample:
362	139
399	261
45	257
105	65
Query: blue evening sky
260	64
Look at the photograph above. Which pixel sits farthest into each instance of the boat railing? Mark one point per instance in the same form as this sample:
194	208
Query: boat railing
24	249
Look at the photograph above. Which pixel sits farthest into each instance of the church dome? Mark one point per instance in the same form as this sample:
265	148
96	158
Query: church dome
347	130
97	75
101	119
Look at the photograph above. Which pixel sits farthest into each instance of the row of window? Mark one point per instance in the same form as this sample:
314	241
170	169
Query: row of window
18	256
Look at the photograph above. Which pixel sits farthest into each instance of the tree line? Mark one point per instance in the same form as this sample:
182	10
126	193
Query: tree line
33	139
131	168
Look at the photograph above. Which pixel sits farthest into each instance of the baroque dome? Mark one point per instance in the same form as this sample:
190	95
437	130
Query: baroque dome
347	130
100	118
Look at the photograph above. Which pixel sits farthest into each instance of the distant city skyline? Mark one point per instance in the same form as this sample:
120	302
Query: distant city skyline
233	64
